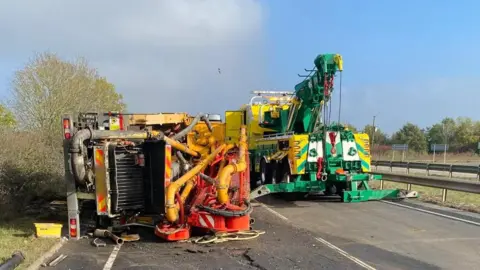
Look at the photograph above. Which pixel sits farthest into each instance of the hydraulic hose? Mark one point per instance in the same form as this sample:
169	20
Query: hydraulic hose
226	173
207	122
186	130
77	155
170	206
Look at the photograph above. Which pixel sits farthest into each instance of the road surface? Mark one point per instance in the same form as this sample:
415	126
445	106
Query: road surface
314	234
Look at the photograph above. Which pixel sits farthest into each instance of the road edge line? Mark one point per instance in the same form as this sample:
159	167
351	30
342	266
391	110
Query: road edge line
345	254
38	262
274	212
433	213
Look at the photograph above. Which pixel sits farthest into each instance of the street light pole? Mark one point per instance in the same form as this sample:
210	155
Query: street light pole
373	132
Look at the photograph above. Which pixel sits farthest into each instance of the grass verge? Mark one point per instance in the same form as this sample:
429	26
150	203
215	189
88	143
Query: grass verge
455	199
19	234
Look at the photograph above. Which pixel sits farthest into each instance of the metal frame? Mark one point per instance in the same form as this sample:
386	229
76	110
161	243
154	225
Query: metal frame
73	208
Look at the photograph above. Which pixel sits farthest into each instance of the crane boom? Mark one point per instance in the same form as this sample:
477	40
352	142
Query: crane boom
313	92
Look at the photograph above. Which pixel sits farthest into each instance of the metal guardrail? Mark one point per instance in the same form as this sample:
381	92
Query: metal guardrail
431	181
450	168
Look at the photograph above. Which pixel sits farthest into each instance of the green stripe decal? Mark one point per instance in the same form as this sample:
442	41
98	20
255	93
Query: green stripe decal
304	150
365	164
360	148
301	167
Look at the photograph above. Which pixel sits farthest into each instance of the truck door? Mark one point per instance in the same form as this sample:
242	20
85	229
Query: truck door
233	121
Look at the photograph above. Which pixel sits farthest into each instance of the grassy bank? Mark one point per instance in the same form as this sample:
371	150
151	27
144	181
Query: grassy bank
19	234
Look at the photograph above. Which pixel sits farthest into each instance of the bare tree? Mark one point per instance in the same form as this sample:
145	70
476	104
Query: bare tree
48	87
31	162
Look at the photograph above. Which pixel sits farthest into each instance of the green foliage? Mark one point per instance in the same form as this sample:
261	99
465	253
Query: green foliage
48	87
380	138
6	118
413	136
351	127
45	89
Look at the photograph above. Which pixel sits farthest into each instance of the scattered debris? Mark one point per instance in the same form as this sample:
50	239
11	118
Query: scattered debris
16	259
106	233
55	261
98	242
130	237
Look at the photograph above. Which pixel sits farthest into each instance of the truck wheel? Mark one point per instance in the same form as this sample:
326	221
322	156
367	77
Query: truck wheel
253	180
265	172
273	168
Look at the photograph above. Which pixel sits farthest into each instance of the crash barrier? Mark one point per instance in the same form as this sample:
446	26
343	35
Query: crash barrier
443	183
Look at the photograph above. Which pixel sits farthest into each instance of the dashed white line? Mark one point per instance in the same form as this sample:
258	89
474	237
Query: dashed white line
325	242
108	265
434	213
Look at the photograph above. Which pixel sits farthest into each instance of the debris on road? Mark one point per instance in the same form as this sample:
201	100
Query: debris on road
16	259
97	242
56	261
108	234
130	237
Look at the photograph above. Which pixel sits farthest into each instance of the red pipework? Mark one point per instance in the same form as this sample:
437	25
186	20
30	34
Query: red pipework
320	167
332	137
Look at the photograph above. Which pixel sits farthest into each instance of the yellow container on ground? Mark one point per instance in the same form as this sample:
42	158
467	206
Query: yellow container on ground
48	230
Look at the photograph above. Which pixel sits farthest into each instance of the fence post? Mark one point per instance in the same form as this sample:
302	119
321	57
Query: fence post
450	171
444	195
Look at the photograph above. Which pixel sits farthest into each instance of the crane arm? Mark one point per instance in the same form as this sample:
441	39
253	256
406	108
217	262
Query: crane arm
312	92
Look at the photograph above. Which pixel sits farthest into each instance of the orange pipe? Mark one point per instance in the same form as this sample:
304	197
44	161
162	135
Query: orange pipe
226	173
170	206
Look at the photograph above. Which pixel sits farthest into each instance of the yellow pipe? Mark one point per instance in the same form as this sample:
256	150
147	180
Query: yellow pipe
180	146
202	150
170	206
222	163
226	173
188	188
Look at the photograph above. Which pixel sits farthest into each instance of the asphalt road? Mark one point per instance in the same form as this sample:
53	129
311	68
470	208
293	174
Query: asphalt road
308	235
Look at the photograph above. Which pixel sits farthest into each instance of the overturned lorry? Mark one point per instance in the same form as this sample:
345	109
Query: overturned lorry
169	171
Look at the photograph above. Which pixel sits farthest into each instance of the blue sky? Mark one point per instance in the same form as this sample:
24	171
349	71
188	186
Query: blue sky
403	60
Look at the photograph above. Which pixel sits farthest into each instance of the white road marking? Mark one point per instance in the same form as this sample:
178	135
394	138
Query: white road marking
274	212
111	259
325	242
344	253
434	213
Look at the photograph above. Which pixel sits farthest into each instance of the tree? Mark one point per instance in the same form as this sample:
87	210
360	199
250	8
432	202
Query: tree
48	87
442	132
6	118
380	137
465	132
413	136
351	127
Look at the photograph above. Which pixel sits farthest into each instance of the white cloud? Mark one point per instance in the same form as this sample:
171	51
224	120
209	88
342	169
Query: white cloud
162	55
